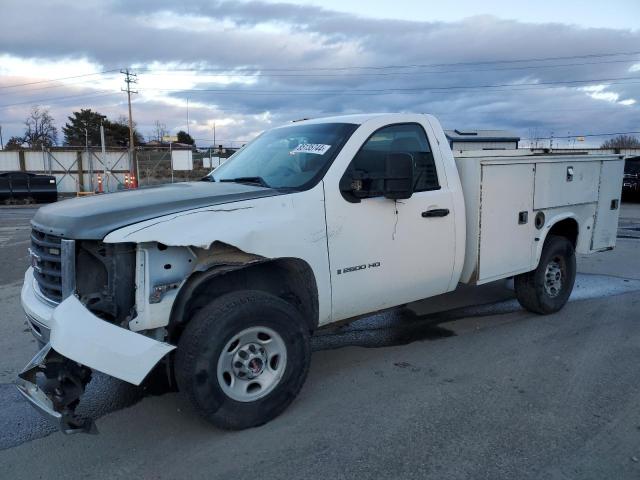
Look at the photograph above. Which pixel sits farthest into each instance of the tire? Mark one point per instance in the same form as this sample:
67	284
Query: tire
547	289
221	386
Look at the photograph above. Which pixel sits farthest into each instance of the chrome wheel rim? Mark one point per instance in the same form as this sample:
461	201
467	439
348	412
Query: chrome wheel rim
553	277
252	363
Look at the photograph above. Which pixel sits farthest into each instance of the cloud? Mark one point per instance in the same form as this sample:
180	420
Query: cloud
232	61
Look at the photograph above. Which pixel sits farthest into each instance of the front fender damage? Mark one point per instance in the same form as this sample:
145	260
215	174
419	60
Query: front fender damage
222	254
80	342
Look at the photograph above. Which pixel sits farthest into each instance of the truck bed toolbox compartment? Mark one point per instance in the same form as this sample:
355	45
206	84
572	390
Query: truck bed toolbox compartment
504	192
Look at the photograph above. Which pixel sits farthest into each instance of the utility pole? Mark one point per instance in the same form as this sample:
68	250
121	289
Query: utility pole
1	142
104	155
215	148
130	78
89	159
188	131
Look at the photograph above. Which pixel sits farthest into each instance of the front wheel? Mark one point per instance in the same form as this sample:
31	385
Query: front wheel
547	289
243	358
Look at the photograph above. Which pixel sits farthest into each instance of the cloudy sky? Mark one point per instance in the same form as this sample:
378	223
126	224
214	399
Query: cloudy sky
532	67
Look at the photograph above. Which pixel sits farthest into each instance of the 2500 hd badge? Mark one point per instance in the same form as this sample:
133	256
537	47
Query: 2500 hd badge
358	267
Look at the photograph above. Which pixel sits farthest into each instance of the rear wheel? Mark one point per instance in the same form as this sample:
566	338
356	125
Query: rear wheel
243	358
547	288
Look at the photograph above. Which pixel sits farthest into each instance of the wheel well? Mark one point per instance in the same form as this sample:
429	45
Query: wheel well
567	228
288	278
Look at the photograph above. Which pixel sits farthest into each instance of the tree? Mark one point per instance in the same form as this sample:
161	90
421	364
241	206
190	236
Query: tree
41	131
116	134
622	141
83	127
14	143
119	132
159	131
184	137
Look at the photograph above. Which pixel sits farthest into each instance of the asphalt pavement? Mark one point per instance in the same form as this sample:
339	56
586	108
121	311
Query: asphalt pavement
466	385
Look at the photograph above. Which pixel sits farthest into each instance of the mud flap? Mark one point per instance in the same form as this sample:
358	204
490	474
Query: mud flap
53	385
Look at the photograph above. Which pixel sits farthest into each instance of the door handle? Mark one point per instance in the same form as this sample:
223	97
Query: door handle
436	212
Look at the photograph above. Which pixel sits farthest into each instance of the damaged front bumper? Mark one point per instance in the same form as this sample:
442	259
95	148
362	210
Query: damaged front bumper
53	384
80	342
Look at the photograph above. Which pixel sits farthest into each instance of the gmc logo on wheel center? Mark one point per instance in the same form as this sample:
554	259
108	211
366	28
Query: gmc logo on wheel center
364	266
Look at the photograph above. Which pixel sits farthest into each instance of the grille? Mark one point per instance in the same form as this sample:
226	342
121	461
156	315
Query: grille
46	260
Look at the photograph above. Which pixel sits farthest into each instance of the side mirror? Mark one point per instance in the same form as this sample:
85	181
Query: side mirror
398	179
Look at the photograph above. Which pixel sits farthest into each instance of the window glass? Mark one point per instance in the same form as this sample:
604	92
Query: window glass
404	138
287	157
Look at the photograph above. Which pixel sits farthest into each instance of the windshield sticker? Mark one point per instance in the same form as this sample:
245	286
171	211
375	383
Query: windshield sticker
316	148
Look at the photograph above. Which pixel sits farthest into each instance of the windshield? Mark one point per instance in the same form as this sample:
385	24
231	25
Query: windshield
287	157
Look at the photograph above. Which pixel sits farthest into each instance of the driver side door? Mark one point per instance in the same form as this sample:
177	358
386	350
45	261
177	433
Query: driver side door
387	252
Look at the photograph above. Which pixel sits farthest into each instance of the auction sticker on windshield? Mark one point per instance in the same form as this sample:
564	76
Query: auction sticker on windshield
317	148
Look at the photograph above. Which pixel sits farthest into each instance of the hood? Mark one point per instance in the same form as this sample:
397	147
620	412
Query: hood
92	218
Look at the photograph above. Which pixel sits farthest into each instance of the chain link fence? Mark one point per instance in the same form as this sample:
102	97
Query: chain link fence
91	170
156	167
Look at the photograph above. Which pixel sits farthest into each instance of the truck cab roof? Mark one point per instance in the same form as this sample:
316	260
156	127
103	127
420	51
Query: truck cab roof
359	119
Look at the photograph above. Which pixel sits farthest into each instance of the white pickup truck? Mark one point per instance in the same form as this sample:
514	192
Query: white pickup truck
223	281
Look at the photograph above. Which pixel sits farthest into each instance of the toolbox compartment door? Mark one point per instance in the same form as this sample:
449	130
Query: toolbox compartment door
506	220
566	183
608	211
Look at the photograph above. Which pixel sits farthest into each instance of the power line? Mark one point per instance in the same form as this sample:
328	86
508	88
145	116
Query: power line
260	73
56	99
275	93
516	86
57	79
383	67
83	84
513	110
70	87
77	84
363	67
495	88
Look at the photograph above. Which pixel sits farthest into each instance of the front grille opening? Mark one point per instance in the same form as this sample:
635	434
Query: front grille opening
47	264
105	279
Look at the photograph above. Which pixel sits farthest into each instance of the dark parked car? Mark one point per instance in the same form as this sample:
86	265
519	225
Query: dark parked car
631	182
23	187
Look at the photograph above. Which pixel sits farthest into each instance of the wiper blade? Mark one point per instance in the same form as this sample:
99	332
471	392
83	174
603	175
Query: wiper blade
252	180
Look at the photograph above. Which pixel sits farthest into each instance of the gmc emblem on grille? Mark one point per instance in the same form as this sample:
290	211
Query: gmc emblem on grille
35	261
